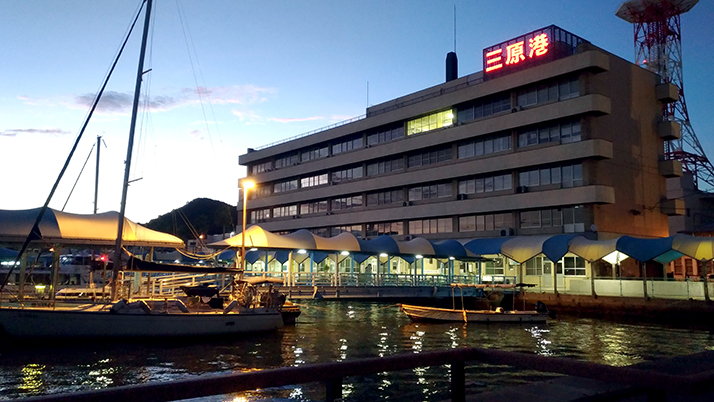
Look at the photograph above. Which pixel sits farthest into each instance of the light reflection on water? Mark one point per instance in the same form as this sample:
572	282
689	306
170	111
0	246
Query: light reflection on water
333	331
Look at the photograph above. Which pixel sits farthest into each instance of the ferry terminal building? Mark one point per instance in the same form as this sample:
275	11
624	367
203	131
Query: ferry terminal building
554	136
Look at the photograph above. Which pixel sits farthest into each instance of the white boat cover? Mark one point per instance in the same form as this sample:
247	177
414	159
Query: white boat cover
64	228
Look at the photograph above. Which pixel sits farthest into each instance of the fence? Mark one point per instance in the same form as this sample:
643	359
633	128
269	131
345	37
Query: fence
633	287
654	385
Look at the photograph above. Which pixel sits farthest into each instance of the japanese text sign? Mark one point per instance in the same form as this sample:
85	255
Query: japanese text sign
528	50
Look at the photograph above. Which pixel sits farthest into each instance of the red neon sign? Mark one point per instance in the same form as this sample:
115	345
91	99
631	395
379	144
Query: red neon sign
516	51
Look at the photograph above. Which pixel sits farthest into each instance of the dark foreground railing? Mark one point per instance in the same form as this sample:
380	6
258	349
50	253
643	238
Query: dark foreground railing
653	384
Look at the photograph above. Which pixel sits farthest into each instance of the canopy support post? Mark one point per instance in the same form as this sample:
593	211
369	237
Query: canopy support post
289	279
555	279
703	273
643	270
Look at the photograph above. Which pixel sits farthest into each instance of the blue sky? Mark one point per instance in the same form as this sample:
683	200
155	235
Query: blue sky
267	70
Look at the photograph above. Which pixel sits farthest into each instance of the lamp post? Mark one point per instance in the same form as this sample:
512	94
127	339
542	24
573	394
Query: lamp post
246	186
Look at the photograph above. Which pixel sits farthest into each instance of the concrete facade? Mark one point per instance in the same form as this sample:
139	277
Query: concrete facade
615	166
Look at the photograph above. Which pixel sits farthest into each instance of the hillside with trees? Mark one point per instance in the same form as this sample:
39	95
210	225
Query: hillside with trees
200	216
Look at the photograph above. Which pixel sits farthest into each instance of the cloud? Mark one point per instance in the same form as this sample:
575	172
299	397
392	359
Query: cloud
235	94
113	102
198	134
31	131
295	119
249	117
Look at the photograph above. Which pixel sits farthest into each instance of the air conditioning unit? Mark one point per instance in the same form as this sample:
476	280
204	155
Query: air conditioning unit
507	232
406	203
368	145
521	189
408	237
296	216
516	109
463	196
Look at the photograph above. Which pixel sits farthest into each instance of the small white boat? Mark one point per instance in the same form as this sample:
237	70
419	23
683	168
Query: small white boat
422	313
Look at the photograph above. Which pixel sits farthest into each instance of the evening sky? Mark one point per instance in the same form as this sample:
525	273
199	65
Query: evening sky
267	71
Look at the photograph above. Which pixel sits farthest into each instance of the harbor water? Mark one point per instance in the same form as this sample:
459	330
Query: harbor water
341	330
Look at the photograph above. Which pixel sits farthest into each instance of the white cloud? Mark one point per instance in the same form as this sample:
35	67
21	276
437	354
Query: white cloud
33	131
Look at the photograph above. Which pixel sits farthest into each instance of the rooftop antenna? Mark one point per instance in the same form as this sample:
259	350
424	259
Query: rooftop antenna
658	48
454	28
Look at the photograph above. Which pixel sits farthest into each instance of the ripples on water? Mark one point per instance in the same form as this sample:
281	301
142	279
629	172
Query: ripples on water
336	331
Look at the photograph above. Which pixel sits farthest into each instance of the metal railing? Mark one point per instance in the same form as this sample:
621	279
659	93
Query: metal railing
318	130
653	384
661	288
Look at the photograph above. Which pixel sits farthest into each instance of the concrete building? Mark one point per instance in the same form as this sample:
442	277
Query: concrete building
568	140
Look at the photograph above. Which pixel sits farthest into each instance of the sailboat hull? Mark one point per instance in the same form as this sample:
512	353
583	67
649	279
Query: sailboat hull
52	323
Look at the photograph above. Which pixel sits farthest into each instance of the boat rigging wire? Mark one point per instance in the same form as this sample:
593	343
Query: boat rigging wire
78	176
35	233
200	90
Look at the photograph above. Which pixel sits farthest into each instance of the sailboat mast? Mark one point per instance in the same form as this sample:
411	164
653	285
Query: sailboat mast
125	185
96	176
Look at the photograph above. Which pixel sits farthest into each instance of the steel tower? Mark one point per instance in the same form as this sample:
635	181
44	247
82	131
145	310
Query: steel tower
658	47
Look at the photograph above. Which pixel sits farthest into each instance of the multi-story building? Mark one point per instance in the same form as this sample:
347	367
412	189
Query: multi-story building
555	135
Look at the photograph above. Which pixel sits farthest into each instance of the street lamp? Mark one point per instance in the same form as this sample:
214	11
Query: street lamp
246	186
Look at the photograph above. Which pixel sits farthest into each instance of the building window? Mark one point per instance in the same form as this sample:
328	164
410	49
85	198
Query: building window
288	210
494	266
427	226
312	154
558	132
322	232
497	143
284	186
484	222
354	229
385	134
259	191
385	197
430	157
562	89
534	266
347	202
486	184
484	107
573	266
259	215
286	161
433	191
689	267
313	181
566	176
261	167
314	207
385	228
348	145
541	218
347	174
430	122
573	219
385	166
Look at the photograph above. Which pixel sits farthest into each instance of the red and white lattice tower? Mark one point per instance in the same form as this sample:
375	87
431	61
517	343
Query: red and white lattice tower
658	47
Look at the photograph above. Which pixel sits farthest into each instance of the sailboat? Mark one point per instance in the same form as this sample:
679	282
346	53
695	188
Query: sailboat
138	318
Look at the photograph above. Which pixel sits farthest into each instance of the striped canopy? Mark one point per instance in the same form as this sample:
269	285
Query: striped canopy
518	248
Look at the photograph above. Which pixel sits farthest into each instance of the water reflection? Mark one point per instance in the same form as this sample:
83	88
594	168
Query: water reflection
332	331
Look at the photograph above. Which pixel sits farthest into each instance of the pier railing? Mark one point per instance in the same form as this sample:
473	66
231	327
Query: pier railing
654	385
662	288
